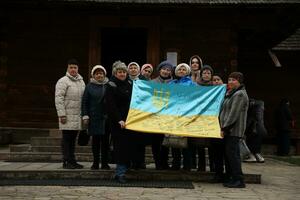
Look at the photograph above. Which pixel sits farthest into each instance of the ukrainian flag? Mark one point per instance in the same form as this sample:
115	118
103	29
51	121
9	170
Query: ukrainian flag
175	109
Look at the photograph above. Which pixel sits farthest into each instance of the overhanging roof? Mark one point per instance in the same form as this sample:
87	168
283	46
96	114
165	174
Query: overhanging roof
292	43
206	2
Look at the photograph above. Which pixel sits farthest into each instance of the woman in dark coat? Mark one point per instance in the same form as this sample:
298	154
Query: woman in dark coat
161	153
206	79
118	101
94	115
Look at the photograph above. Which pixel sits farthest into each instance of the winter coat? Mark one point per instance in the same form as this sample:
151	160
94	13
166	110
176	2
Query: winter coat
118	102
233	115
93	106
160	80
186	80
68	95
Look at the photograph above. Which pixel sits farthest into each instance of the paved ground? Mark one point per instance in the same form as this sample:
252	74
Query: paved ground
280	181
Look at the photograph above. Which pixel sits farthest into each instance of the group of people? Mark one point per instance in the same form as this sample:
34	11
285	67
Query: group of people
102	106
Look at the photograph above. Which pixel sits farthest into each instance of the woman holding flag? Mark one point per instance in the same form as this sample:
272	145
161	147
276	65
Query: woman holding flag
118	100
182	72
233	117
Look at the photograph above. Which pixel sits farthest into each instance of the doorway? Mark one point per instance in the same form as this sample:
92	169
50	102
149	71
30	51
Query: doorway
124	44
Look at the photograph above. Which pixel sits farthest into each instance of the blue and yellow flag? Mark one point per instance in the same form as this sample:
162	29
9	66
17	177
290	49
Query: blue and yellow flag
175	109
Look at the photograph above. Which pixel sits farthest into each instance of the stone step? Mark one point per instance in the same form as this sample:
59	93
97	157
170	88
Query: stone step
20	148
48	171
24	135
45	141
50	157
35	148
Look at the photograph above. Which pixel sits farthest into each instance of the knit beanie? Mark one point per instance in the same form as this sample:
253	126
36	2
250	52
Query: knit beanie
207	67
188	69
98	67
147	65
118	65
238	76
165	63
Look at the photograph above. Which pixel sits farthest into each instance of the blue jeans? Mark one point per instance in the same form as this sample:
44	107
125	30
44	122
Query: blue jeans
121	170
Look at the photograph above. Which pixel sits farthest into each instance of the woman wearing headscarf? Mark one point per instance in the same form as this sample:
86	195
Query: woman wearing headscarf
146	72
68	95
138	159
233	118
118	100
133	71
94	115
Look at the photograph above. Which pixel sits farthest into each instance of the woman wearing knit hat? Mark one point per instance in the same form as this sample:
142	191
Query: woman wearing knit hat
196	66
118	100
206	76
217	80
182	72
146	72
165	72
160	152
94	115
133	71
233	117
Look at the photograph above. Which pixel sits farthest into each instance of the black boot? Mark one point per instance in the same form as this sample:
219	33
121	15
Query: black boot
235	184
105	166
95	166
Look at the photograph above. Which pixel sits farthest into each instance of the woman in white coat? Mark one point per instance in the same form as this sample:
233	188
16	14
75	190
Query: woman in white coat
68	94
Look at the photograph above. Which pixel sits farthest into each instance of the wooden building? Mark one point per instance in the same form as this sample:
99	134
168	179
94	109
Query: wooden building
37	37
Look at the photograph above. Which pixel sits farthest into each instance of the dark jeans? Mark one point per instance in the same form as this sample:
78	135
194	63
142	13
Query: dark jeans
217	148
232	158
68	145
100	142
160	152
139	149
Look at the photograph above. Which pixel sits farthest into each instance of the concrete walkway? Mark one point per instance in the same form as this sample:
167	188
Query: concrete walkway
280	181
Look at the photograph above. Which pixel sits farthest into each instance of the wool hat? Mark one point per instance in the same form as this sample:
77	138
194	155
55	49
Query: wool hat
98	67
118	65
134	63
238	76
147	65
199	59
188	69
165	63
207	67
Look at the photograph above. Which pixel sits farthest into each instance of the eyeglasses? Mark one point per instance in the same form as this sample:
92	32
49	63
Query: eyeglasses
195	62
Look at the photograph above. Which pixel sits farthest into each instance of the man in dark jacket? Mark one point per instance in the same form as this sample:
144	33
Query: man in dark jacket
283	123
233	118
255	130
